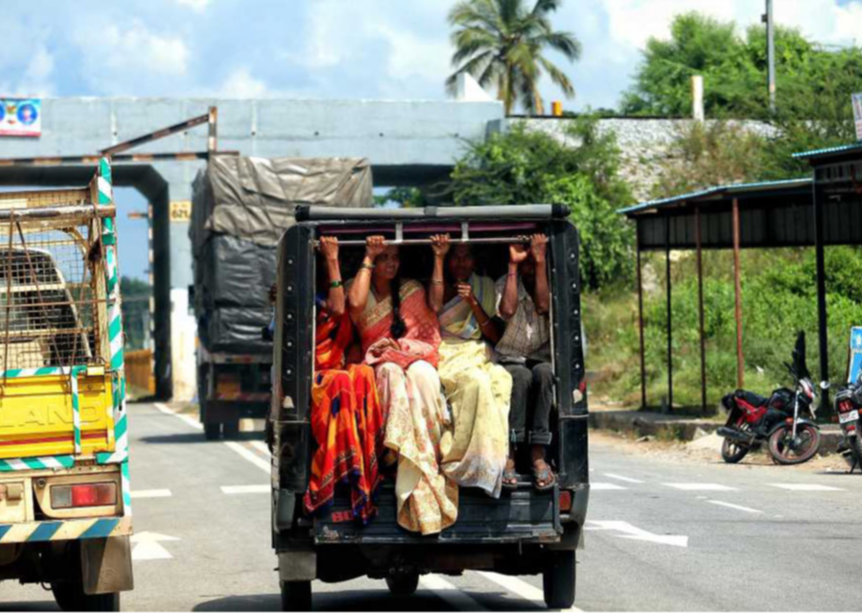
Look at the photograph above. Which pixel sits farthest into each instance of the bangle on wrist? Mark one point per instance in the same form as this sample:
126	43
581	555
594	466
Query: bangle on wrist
437	281
367	266
335	284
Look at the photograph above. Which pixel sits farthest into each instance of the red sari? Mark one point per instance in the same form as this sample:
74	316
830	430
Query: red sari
346	421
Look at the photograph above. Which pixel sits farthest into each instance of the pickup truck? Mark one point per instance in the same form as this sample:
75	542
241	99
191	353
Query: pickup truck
65	515
521	533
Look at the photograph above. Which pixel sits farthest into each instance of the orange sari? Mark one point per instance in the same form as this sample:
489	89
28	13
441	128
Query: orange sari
346	421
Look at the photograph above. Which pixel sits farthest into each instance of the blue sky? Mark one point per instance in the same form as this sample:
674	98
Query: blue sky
328	48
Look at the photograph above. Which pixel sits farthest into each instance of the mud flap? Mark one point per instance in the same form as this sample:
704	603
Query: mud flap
106	565
298	564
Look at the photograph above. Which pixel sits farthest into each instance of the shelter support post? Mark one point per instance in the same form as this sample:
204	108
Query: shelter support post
740	362
641	320
669	317
697	238
822	316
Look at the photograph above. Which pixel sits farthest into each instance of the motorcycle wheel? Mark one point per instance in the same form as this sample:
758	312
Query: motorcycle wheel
732	451
857	451
783	449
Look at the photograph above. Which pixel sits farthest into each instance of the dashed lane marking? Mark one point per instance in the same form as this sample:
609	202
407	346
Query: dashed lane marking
151	493
621	478
730	505
260	446
519	587
249	455
451	595
605	486
701	487
246	489
194	423
807	487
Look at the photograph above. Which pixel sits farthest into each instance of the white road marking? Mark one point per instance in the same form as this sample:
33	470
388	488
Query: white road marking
249	455
605	486
455	598
151	493
242	451
807	487
701	487
621	478
637	534
194	423
730	505
147	547
519	587
260	446
246	489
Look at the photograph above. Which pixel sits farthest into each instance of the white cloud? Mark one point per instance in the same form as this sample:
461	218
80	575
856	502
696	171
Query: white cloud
138	48
199	6
241	84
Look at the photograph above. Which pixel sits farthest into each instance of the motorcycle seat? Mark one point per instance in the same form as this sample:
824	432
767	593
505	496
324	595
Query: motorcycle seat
755	400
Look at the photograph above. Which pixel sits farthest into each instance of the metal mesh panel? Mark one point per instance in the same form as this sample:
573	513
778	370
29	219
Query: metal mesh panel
51	293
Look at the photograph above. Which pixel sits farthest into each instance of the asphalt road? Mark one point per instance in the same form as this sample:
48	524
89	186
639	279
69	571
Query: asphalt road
662	535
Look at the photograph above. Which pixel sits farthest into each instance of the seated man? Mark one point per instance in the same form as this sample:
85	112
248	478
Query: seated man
523	302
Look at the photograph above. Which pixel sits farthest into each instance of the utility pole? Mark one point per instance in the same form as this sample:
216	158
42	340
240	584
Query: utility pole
770	50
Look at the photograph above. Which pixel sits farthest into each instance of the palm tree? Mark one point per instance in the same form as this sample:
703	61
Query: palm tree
500	42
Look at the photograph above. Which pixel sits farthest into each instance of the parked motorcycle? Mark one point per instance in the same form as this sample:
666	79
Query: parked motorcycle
848	406
784	421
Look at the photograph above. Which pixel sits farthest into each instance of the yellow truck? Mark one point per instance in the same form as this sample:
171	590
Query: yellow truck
65	514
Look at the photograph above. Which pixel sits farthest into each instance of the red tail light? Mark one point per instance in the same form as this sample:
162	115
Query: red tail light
83	495
565	501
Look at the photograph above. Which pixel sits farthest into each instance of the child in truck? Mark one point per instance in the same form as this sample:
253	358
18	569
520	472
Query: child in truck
400	336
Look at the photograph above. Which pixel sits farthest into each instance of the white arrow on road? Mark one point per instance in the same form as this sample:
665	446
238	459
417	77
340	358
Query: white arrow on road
147	546
634	533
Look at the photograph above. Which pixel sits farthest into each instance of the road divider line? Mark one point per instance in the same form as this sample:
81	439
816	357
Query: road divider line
701	487
188	420
246	489
730	505
519	587
621	478
594	486
151	493
807	487
451	595
260	446
249	455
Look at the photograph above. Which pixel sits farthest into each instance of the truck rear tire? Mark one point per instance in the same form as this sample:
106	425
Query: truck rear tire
403	585
230	429
295	595
71	597
212	432
558	580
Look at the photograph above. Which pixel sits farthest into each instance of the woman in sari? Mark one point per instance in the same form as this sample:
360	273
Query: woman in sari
478	390
346	417
400	336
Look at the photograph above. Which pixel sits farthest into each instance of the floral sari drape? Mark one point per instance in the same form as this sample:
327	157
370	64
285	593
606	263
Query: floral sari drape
346	421
479	393
414	409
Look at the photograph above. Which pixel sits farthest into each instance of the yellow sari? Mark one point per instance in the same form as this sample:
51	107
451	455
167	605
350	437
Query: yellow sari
479	393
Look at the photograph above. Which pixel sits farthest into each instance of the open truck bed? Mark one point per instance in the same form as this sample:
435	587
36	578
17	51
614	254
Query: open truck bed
522	532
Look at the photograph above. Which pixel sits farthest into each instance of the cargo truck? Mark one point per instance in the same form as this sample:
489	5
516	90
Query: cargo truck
65	514
522	532
240	208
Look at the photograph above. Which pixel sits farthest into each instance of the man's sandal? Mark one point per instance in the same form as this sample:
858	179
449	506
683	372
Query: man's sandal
544	474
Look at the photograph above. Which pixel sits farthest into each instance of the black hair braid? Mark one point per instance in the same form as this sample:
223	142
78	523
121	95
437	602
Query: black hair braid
398	327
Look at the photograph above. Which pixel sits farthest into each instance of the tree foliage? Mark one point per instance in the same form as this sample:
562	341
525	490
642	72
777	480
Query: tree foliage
526	167
502	43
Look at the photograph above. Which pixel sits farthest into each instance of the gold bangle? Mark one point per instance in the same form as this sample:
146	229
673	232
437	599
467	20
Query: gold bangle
437	281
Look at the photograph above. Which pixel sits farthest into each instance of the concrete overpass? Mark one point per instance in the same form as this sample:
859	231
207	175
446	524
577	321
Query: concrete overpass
409	143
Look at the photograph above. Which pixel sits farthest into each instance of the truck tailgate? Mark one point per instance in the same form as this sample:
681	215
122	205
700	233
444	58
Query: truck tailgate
523	515
37	418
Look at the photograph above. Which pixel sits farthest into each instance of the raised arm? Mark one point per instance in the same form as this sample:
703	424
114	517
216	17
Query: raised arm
335	298
486	324
440	244
357	298
509	303
542	297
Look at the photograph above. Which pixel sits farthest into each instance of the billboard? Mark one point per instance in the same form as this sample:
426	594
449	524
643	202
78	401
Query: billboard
20	117
857	114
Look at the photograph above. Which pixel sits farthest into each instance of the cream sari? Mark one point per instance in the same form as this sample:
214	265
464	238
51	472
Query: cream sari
479	393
